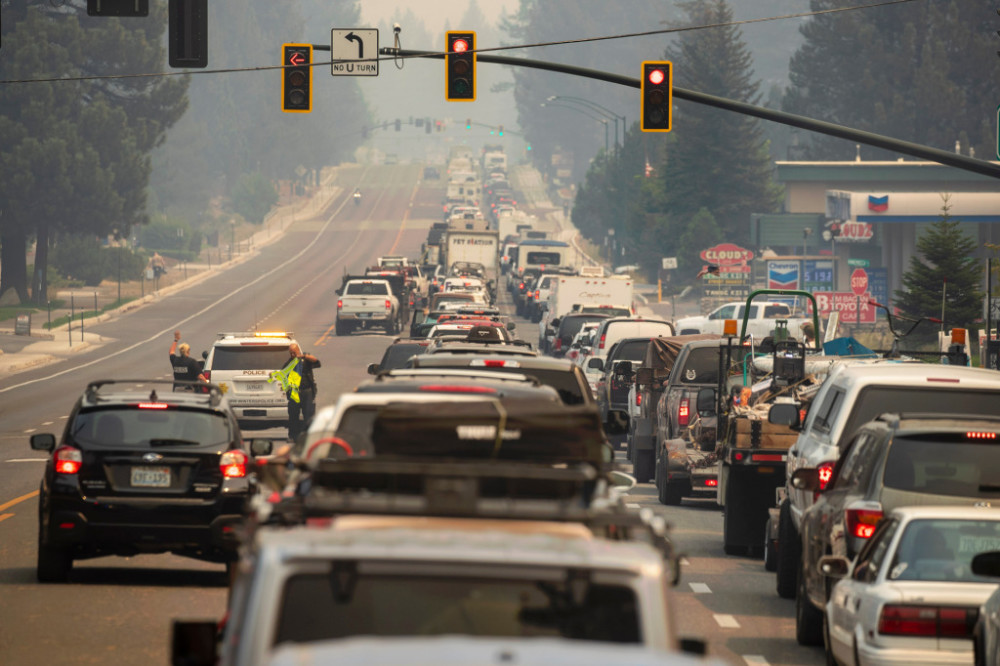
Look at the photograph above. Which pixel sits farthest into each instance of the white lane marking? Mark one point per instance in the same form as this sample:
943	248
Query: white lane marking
30	430
27	460
64	417
632	505
726	621
685	562
755	660
700	588
48	423
205	309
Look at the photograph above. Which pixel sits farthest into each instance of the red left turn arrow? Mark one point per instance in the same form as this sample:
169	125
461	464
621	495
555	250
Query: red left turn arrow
297	58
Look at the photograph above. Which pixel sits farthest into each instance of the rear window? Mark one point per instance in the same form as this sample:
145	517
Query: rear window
944	464
633	350
271	357
131	427
397	355
606	311
355	428
323	606
570	326
875	400
701	366
942	550
548	258
367	289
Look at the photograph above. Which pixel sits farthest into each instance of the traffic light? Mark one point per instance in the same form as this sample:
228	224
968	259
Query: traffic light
117	7
188	35
399	124
460	66
296	78
468	123
500	129
657	91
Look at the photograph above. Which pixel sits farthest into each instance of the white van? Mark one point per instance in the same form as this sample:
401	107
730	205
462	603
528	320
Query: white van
853	394
612	330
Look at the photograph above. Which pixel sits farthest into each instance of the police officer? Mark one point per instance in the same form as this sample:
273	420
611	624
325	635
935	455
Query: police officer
186	369
301	411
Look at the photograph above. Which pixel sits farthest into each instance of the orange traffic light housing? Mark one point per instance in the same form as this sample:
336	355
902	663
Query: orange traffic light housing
657	95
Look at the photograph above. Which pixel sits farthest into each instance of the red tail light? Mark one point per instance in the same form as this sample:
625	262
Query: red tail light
861	522
388	304
208	375
825	474
638	399
683	413
712	483
601	345
939	621
536	294
340	305
557	344
68	460
521	286
233	464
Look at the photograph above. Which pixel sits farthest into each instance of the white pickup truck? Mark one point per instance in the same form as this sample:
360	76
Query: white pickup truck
367	302
760	323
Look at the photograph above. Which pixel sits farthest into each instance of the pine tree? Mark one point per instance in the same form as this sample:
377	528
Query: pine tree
945	261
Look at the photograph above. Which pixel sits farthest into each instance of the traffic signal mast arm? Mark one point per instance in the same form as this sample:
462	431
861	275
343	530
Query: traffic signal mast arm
868	138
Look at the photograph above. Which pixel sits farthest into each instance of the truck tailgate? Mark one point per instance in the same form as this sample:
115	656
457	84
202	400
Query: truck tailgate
758	433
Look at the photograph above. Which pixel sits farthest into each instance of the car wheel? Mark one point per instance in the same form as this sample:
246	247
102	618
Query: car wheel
340	329
642	468
788	555
808	620
770	549
54	564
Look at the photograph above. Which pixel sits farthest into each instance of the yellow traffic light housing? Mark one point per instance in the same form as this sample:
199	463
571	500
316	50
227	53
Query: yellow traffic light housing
460	66
657	95
296	78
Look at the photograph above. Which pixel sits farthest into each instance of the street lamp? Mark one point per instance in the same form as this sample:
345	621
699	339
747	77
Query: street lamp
603	121
117	236
597	107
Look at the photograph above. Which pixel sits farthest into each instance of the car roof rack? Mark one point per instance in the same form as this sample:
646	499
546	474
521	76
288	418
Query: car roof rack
92	392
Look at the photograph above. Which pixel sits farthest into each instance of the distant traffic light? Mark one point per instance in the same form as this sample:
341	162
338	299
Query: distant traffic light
468	123
188	34
460	66
118	7
399	124
500	130
657	93
296	78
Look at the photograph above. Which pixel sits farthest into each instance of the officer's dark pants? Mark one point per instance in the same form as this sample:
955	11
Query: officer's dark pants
300	413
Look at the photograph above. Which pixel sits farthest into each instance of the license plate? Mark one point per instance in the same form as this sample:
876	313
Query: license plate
253	386
364	315
151	477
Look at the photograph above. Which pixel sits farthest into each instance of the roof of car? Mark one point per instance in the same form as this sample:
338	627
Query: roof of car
862	373
955	512
249	338
137	391
927	423
445	358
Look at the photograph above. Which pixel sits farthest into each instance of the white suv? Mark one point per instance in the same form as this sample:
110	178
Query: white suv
240	363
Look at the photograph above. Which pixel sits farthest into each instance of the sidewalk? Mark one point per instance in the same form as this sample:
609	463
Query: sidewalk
19	353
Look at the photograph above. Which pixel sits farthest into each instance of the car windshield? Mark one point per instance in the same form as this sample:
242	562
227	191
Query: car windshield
548	258
944	464
942	550
606	311
151	425
316	607
270	357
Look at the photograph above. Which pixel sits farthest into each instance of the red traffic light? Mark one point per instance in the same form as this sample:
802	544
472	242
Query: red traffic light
656	76
460	46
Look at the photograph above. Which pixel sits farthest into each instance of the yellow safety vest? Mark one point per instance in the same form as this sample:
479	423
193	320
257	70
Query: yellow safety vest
289	377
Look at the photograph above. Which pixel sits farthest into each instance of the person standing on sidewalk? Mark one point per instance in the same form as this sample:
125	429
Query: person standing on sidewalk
186	369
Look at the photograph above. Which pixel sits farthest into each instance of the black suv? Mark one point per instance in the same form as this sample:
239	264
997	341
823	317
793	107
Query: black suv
141	469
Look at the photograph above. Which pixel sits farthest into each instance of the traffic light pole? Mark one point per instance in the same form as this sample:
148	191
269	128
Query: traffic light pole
868	138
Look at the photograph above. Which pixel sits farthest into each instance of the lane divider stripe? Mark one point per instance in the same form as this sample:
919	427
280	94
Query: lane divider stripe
18	500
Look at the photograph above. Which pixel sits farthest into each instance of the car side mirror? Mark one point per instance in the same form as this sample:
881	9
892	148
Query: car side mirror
373	368
706	401
786	414
694	646
43	442
511	326
833	566
806	478
595	364
261	447
194	642
204	355
987	564
338	292
554	323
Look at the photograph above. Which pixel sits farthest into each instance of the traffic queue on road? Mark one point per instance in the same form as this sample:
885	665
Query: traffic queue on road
466	500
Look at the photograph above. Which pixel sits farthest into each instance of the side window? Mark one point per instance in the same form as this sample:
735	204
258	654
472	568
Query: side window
846	473
753	312
725	312
827	412
873	553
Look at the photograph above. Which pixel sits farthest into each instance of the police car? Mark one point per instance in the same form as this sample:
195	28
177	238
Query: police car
239	363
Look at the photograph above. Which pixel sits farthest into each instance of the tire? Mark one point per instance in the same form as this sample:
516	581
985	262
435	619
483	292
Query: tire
788	555
642	467
54	564
671	494
770	550
730	520
808	619
340	329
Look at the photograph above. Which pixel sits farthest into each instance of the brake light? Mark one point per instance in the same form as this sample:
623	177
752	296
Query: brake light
208	375
861	523
536	294
444	388
388	304
825	474
683	413
939	621
980	435
521	286
638	399
766	457
713	483
152	405
493	363
233	464
340	305
557	344
601	345
68	460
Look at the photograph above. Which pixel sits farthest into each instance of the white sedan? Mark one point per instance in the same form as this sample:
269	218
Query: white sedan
910	596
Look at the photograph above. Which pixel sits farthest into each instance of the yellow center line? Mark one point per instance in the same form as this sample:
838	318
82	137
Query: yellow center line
326	334
18	500
5	516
